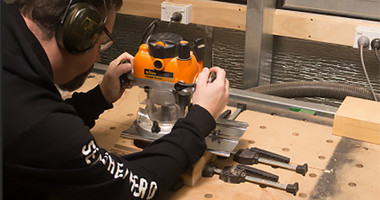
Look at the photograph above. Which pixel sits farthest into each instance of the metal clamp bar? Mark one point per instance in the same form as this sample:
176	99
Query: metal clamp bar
281	106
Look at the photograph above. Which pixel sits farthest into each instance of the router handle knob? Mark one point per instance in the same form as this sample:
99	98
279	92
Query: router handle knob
184	50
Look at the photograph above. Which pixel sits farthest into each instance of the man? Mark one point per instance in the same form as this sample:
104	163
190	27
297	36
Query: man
49	152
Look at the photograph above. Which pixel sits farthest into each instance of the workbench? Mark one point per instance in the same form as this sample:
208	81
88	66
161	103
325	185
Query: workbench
339	168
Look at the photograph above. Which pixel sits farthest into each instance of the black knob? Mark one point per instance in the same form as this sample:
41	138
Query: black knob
292	189
183	50
199	49
155	128
125	78
302	169
208	171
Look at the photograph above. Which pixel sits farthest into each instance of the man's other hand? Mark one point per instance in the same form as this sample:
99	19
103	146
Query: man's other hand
212	96
110	86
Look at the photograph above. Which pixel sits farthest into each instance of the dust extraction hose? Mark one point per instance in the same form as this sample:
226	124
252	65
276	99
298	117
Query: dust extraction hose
313	89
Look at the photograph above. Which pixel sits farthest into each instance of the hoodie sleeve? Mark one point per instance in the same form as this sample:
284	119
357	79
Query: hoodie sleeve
69	164
89	105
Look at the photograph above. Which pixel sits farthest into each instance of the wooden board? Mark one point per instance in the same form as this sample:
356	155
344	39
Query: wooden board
294	24
317	27
339	168
359	119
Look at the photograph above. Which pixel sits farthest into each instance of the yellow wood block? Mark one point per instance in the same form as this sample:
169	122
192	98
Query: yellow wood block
192	175
358	119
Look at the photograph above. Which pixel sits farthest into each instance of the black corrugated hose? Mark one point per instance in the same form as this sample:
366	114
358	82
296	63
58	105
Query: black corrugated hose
313	89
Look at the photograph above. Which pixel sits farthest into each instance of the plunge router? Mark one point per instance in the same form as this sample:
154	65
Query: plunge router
167	67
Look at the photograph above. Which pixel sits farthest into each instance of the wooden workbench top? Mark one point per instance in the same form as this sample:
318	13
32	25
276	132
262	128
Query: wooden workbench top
339	168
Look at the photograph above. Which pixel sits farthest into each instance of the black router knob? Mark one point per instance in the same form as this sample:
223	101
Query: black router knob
184	50
156	128
199	49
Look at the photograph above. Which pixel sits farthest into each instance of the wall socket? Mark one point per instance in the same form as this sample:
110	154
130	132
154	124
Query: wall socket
369	31
168	8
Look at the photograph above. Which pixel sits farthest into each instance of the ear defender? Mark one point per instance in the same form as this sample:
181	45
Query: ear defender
80	28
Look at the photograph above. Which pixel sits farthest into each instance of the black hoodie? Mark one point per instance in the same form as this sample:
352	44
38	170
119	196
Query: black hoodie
48	149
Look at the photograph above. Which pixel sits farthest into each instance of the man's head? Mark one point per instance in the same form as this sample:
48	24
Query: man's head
71	57
47	14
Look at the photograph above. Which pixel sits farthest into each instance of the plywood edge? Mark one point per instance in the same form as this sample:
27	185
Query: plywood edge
318	27
145	8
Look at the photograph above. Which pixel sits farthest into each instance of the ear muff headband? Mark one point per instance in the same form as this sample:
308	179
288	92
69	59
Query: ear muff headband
80	28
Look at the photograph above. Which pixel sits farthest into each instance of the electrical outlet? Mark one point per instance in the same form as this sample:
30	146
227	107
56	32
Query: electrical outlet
369	31
168	8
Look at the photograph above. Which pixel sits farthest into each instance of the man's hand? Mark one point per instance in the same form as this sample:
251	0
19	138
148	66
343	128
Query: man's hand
110	86
212	96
